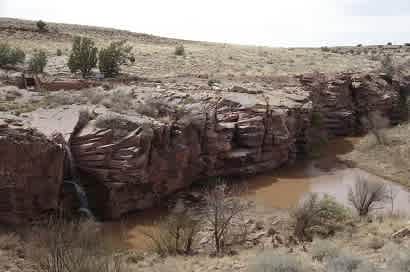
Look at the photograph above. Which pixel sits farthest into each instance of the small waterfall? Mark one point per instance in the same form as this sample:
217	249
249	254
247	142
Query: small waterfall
81	194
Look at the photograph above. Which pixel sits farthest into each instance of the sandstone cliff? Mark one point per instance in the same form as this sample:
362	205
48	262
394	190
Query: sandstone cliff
163	136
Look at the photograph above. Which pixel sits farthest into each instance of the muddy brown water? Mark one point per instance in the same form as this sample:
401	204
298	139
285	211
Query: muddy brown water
282	189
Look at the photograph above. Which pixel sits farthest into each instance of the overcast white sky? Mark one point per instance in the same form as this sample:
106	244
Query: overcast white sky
257	22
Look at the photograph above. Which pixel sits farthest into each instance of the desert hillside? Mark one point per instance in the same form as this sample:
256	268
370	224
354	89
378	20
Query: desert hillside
155	55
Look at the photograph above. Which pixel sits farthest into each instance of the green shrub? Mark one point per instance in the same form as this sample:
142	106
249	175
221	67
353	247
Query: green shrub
111	58
276	262
324	249
10	56
83	56
41	26
180	50
317	215
59	52
38	61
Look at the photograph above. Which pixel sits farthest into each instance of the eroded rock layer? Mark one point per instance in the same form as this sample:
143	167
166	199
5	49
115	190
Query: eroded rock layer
134	159
31	169
169	135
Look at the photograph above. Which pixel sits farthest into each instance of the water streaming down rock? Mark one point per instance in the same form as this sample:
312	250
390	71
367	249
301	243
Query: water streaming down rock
81	194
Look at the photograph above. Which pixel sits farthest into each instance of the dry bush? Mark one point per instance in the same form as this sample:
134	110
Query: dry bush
223	207
316	215
94	96
375	122
176	234
324	249
366	194
376	243
64	246
9	241
277	262
348	263
119	101
56	99
387	66
398	258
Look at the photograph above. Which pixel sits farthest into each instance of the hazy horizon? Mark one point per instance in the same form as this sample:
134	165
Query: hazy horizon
293	23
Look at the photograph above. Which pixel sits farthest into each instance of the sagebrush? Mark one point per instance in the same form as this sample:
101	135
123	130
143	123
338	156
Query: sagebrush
10	55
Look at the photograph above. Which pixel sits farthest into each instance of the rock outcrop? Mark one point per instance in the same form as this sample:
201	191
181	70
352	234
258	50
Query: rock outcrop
134	159
31	174
173	135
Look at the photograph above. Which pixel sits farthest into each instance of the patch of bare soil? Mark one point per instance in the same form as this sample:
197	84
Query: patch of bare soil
390	160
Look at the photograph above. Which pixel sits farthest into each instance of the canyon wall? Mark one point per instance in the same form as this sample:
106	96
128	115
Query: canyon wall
133	160
129	161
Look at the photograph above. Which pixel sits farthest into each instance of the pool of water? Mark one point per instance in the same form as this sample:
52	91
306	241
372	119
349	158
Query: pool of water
283	189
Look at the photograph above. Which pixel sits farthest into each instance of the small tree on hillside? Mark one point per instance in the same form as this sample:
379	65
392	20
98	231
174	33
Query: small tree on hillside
41	26
83	56
223	207
38	62
111	58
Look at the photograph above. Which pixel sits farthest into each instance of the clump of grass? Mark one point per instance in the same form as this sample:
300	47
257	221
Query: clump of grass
376	243
343	263
324	249
276	262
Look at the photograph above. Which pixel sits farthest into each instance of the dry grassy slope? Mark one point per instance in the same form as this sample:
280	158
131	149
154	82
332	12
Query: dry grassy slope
155	55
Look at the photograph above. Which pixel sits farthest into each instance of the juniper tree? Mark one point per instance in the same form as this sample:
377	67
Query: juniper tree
83	56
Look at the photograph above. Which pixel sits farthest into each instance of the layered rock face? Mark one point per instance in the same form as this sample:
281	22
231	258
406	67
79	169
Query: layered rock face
31	174
177	134
142	159
133	159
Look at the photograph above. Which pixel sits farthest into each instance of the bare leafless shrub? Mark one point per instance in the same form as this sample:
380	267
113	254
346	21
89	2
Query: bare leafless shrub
367	194
72	246
223	206
176	233
375	122
316	215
